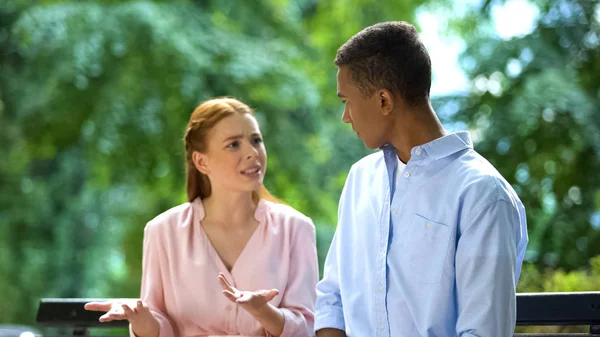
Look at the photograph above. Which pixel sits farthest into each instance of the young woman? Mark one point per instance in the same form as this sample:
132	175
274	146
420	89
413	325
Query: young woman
232	260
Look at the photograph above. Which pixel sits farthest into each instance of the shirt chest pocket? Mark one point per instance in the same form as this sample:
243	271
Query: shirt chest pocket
424	249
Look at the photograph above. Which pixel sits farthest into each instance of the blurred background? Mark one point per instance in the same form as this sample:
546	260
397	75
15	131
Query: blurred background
95	96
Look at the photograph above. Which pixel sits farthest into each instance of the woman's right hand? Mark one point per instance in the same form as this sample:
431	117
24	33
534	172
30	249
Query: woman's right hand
143	323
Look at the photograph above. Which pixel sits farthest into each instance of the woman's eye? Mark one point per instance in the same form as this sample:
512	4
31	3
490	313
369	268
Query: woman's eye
234	145
257	140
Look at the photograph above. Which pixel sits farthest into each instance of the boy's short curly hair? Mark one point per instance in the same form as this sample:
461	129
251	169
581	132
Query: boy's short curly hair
388	55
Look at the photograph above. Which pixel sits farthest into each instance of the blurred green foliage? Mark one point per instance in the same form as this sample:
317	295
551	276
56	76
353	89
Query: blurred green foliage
94	97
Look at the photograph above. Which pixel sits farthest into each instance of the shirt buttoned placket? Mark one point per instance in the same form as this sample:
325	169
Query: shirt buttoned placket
398	194
384	227
410	170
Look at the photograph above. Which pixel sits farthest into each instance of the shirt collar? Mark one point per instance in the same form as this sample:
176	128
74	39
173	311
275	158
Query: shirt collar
448	145
437	148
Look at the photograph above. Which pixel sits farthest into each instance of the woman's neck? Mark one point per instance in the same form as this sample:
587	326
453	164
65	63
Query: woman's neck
229	209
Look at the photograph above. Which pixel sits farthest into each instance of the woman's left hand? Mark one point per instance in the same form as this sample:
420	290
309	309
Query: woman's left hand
251	301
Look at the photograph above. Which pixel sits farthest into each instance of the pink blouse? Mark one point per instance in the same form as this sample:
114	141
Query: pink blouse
180	268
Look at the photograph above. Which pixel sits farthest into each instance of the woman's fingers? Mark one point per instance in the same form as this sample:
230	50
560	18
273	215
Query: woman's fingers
98	306
127	310
270	294
225	284
116	310
245	298
105	318
231	296
222	283
112	316
225	280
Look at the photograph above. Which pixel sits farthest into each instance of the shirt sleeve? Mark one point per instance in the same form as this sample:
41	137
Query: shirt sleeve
329	312
486	269
152	291
329	308
297	303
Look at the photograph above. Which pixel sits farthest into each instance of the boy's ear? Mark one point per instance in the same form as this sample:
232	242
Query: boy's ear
386	101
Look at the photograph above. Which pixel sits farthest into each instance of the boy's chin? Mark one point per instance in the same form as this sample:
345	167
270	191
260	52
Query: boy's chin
372	146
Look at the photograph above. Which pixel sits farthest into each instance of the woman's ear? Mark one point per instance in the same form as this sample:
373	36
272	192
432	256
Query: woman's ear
200	162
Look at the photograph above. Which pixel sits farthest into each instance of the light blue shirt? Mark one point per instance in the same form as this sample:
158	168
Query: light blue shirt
437	254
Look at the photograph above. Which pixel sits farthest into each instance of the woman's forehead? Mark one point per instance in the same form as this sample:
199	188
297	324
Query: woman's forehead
244	124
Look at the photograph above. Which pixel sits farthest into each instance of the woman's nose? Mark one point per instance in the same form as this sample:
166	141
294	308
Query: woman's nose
251	152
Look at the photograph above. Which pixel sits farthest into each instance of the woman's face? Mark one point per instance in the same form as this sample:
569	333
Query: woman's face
236	158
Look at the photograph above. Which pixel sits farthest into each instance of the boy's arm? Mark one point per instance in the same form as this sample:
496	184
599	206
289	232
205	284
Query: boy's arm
486	267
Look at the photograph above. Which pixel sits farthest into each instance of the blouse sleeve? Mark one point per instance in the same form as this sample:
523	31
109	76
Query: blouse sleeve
152	291
299	298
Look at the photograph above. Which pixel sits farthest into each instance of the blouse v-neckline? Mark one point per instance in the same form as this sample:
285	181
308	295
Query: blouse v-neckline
258	215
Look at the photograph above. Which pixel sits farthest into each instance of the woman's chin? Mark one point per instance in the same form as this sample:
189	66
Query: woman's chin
254	186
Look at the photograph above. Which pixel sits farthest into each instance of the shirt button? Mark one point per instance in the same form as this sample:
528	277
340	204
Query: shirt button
380	288
418	152
382	326
228	308
407	174
428	225
394	212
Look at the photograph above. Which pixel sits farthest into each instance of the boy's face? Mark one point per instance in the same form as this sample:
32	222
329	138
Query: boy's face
364	113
